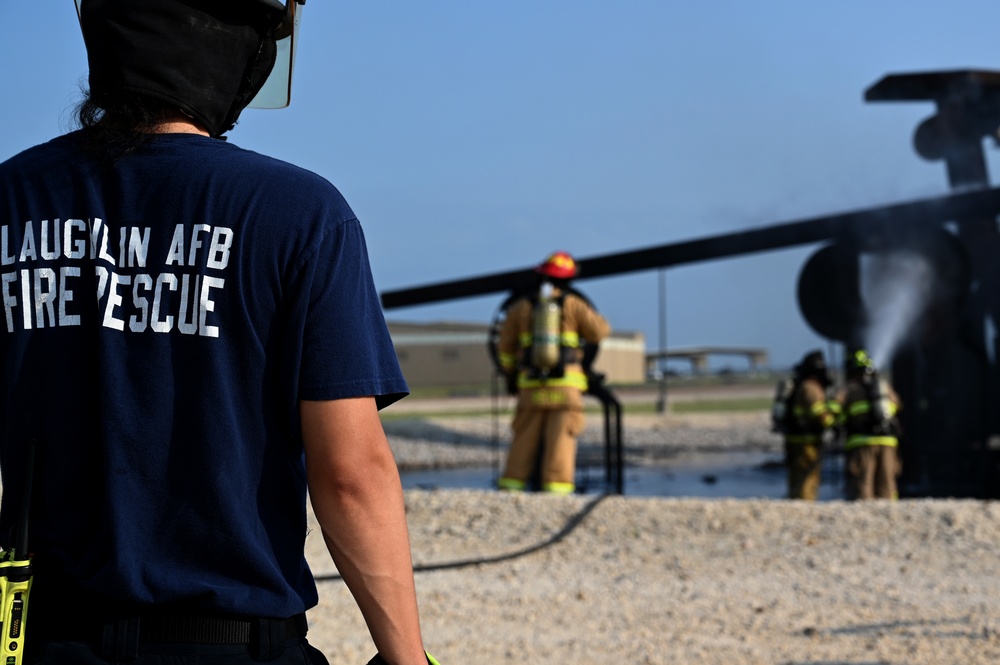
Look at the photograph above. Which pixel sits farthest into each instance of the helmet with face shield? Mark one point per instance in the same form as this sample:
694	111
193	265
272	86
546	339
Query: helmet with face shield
209	59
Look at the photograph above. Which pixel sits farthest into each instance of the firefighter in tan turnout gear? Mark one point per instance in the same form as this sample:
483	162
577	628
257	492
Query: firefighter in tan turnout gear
540	352
870	407
803	414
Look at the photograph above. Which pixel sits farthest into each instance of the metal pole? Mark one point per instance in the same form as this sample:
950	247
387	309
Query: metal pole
661	402
609	460
495	388
619	450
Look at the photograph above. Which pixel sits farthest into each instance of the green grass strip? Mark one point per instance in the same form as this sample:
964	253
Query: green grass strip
722	405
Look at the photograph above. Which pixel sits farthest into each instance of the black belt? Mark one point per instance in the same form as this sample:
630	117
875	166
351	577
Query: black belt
215	630
119	636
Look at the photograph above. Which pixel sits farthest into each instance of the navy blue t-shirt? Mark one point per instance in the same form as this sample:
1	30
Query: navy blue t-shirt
161	321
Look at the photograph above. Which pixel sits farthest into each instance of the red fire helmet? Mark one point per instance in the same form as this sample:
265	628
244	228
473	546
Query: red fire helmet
559	265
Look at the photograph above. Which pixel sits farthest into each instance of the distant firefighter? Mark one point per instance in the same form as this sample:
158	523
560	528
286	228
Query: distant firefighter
870	407
802	413
540	352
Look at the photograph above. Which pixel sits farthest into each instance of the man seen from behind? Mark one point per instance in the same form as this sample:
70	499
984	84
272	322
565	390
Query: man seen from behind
540	351
808	415
870	413
193	339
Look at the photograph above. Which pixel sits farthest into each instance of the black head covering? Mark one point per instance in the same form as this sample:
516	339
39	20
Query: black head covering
207	58
813	362
814	365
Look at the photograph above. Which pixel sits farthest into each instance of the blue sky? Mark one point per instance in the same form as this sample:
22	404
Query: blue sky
477	137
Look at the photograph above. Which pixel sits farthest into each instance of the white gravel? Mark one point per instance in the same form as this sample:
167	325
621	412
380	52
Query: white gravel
445	442
589	580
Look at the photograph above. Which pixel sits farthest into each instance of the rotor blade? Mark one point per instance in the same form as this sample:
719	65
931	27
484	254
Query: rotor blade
461	288
885	221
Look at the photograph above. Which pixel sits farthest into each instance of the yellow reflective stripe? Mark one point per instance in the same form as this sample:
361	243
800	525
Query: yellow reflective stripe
570	339
834	407
548	398
859	440
858	408
818	411
821	412
569	380
802	438
507	360
511	484
558	488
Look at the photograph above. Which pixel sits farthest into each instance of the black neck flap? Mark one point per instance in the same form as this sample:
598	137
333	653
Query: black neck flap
207	58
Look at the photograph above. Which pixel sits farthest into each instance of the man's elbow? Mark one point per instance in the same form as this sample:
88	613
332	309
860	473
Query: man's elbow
376	471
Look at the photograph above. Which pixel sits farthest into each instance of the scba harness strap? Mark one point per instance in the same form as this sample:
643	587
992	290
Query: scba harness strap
503	362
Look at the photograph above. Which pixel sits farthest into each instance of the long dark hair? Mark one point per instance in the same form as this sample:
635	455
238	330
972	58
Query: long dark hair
114	126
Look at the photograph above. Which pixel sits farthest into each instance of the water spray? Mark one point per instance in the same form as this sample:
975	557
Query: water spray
896	288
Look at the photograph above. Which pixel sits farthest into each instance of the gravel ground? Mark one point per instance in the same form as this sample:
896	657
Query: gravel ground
586	579
454	442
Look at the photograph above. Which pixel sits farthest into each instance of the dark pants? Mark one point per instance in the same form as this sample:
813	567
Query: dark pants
61	630
296	652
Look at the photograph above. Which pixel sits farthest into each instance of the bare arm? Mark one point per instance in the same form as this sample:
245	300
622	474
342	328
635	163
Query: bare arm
356	494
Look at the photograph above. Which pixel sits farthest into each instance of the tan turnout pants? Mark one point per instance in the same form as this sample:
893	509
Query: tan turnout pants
803	460
556	430
871	472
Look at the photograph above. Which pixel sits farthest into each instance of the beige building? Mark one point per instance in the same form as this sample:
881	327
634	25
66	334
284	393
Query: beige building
453	354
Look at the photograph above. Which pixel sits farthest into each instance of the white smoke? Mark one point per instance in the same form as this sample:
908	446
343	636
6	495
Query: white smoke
896	288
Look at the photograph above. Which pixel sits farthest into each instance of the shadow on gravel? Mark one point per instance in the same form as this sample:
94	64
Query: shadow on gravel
567	529
941	629
418	428
835	662
656	446
590	447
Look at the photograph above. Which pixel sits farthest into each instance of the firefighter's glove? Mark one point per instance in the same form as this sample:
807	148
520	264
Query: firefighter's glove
511	383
